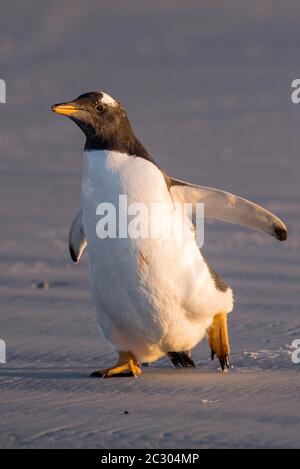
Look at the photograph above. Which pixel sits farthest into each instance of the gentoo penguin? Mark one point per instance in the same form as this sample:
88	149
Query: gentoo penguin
154	296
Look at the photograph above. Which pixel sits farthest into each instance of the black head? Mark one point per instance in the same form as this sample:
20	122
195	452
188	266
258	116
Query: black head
104	123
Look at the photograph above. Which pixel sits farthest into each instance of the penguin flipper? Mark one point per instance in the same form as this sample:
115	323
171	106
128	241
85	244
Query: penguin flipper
221	205
77	240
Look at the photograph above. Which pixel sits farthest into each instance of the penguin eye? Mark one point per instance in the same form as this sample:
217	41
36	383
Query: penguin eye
99	108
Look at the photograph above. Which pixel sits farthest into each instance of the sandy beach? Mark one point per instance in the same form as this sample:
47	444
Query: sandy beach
207	88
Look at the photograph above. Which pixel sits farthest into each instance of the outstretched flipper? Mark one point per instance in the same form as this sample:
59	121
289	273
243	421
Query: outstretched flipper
182	359
230	208
77	240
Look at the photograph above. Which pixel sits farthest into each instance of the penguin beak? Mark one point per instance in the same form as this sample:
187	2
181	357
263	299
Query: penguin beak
66	109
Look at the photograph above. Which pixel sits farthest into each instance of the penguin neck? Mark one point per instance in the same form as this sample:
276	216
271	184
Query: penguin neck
126	143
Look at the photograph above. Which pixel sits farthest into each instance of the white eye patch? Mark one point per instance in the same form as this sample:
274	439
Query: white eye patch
106	99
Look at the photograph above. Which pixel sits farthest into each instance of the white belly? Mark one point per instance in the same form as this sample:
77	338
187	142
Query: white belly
152	295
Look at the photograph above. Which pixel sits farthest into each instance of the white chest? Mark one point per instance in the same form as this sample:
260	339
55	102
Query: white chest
141	287
107	174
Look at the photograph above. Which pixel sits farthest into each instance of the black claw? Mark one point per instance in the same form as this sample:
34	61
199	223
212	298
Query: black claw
227	361
222	363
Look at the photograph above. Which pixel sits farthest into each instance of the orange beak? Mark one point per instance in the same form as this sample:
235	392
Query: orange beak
66	109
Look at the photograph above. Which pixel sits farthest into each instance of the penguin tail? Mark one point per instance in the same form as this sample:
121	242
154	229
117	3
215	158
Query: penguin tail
182	359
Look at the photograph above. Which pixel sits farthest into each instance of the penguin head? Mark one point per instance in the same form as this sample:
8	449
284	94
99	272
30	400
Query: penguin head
102	119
